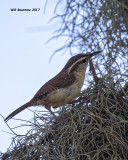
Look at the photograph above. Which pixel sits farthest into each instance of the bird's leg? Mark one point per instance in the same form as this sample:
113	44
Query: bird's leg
58	119
75	101
49	109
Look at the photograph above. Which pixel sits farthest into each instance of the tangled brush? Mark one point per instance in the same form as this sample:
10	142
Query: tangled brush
96	128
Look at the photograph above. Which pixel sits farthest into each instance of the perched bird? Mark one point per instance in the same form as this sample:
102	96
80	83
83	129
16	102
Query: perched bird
62	88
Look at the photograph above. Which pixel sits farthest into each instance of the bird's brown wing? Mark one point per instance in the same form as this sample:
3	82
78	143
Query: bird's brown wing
59	81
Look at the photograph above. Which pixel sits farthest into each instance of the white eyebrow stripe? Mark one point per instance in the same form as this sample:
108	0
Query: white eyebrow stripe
69	69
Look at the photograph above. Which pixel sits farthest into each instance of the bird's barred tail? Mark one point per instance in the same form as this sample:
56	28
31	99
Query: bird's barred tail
26	105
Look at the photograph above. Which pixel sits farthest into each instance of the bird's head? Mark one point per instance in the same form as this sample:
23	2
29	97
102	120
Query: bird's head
79	62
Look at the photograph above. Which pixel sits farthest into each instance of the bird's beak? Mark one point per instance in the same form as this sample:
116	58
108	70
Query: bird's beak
93	54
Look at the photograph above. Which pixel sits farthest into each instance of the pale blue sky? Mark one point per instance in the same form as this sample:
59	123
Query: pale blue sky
24	57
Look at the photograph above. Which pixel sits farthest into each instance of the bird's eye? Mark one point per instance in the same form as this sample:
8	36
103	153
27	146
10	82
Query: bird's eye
84	61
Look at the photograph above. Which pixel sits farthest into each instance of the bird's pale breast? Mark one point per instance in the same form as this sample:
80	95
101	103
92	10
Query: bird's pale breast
63	96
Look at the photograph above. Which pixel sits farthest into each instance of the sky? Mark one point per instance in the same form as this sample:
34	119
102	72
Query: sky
24	58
